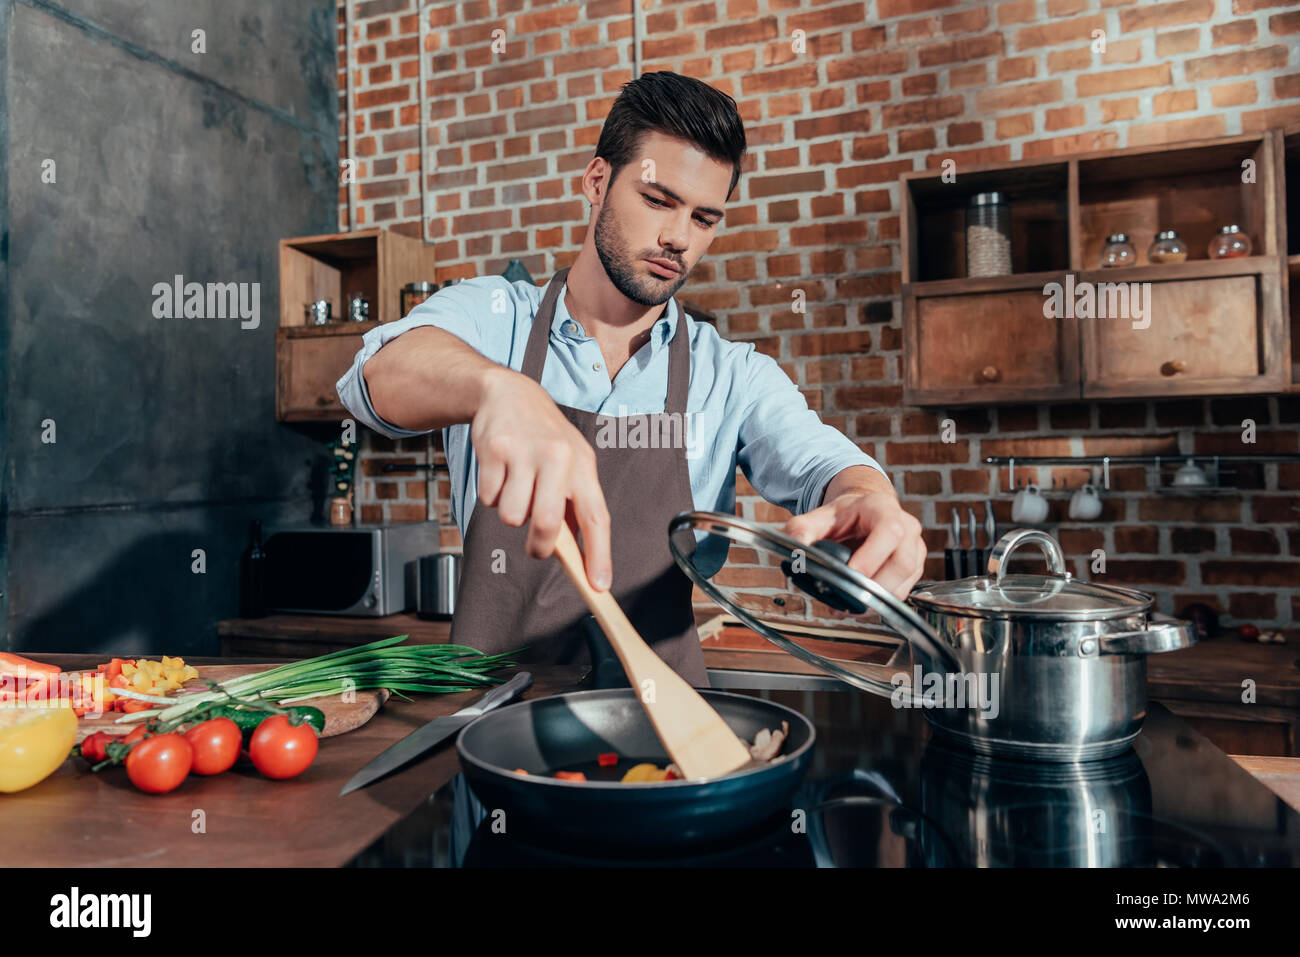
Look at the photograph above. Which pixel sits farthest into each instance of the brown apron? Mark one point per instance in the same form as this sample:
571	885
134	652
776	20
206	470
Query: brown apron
508	600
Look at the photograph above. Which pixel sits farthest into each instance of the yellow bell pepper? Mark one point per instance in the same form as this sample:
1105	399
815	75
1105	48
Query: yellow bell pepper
34	741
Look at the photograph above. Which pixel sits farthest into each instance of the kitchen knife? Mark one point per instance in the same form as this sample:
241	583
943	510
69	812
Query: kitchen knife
952	557
973	557
991	530
435	732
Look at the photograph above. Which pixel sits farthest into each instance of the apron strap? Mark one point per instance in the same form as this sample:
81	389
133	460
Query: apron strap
539	339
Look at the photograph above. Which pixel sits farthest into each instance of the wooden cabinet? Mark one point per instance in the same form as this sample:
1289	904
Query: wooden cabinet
1206	336
374	263
971	344
307	368
1061	327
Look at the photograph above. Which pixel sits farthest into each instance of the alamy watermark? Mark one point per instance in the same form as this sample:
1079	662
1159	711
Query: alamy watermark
939	689
1098	300
179	299
653	430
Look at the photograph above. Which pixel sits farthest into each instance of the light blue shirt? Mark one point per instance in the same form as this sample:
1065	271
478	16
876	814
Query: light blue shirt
742	409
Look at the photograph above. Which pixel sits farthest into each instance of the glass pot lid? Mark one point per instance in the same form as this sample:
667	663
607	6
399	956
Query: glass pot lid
759	574
1056	596
703	542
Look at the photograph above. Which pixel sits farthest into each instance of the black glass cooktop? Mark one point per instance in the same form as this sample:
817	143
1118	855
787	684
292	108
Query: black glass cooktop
885	791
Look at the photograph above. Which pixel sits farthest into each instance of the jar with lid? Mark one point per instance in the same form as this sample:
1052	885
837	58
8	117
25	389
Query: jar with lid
414	293
1167	248
1118	251
1230	243
988	235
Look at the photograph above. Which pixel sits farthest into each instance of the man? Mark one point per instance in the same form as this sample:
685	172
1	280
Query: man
525	380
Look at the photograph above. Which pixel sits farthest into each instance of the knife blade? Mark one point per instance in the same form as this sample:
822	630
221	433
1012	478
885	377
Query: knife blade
435	732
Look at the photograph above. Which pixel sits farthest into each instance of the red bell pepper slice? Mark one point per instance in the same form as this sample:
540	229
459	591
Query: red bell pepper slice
608	759
25	678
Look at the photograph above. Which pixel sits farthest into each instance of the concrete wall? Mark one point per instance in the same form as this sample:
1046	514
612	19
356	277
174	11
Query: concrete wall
167	161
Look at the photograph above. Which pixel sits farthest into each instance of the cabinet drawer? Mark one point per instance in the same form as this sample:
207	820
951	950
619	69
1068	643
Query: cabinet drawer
981	348
1198	337
307	371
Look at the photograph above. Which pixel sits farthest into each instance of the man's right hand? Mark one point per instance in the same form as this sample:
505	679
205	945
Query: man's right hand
532	463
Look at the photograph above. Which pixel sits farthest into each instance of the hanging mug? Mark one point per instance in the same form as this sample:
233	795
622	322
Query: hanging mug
1028	507
1085	503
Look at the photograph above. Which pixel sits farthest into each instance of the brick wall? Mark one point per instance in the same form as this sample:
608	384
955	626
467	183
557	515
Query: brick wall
883	87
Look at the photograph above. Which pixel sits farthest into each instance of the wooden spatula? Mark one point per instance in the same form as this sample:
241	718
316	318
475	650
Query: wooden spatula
693	734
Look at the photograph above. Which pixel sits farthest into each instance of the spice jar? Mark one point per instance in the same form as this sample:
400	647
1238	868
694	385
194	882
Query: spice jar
988	235
1230	243
414	293
1167	248
1118	251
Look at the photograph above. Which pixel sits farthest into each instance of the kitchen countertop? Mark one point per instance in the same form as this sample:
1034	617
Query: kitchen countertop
79	819
76	818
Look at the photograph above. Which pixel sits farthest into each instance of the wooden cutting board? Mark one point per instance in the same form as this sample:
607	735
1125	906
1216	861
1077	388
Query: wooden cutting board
340	716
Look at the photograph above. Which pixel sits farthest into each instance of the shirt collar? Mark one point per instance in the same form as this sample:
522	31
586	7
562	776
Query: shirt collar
661	333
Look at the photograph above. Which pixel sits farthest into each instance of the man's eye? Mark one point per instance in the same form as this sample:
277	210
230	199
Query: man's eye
657	202
703	222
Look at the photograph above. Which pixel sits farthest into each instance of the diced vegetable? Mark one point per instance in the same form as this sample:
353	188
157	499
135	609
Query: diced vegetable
607	760
570	776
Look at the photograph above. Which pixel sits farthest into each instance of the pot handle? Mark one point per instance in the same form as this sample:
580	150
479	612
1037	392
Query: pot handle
1013	539
1163	633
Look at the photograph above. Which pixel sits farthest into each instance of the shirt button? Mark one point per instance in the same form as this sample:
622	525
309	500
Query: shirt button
570	328
596	367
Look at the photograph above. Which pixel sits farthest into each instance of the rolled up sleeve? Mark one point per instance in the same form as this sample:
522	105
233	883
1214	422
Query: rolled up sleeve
785	450
455	309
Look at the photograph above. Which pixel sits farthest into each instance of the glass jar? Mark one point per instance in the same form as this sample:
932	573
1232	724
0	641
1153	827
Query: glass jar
414	293
1230	243
1118	251
988	235
1167	248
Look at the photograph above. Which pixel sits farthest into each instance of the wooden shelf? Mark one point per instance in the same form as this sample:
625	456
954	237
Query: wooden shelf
332	329
1212	327
973	284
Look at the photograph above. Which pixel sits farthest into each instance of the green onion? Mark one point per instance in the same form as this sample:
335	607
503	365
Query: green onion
426	669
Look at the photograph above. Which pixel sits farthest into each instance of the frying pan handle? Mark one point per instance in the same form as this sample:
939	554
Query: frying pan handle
1013	539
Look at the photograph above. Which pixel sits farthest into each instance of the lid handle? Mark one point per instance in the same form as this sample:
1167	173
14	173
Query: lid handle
1013	539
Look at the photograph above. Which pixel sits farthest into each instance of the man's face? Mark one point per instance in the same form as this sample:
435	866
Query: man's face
666	205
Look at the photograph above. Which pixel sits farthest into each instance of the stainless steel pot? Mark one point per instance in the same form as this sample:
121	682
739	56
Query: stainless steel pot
1039	667
438	580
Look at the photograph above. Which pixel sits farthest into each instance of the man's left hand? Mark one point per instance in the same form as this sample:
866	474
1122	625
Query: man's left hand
886	540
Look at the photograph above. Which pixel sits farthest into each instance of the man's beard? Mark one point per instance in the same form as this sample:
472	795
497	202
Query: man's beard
620	268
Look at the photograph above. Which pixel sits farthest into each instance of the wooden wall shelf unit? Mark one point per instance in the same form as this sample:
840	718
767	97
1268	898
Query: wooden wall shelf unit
310	359
1216	327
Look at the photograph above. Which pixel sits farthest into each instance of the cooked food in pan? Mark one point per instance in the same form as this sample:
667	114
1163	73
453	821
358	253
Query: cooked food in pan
612	767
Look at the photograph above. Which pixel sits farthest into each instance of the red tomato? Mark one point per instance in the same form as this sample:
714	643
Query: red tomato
160	763
216	744
138	733
92	749
280	750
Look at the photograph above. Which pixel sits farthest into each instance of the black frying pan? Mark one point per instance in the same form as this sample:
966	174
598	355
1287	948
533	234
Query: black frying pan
567	732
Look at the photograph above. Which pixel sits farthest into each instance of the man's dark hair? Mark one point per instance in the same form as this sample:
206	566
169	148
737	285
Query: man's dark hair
676	106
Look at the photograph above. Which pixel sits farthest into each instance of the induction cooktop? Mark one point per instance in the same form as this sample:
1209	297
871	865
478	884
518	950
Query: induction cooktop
884	790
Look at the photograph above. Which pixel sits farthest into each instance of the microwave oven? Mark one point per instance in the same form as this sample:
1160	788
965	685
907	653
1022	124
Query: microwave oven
366	570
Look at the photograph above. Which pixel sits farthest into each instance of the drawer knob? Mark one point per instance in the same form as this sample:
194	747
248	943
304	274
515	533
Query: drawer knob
324	400
990	374
1173	367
